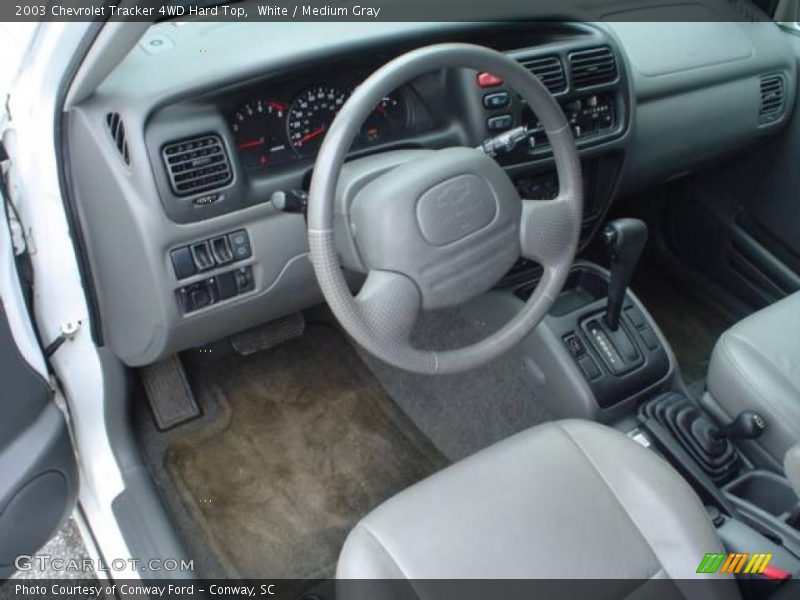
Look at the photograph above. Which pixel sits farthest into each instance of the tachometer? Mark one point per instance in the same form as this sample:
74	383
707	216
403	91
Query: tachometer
310	116
258	129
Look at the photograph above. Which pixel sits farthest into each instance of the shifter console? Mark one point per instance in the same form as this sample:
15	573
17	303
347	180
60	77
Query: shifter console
684	419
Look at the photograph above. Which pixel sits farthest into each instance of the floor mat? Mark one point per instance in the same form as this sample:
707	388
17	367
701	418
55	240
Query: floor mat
306	443
691	326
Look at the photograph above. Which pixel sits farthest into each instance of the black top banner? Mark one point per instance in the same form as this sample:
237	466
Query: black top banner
384	10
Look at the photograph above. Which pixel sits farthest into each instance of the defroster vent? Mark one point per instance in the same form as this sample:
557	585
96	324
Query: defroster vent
197	165
117	130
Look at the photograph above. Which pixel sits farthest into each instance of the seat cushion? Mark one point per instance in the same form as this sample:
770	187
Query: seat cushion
568	499
756	366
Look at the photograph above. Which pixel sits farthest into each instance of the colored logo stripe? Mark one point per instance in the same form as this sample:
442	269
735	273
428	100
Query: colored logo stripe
734	563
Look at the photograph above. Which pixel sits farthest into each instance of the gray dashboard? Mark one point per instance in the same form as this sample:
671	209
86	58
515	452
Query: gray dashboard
677	101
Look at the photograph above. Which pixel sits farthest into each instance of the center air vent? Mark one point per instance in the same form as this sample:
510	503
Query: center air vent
772	98
549	70
197	164
117	129
592	67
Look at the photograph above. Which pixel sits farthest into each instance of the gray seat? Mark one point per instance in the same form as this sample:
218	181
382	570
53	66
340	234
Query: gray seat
568	499
756	366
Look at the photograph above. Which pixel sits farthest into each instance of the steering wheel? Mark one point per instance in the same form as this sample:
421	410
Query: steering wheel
432	229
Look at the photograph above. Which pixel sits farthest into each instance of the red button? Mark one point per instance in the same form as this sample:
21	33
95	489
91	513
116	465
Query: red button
486	80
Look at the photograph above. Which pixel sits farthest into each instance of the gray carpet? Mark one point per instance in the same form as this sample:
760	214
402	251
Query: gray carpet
305	443
461	413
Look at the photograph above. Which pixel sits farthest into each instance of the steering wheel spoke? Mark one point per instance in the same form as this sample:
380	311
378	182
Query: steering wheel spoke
549	230
389	303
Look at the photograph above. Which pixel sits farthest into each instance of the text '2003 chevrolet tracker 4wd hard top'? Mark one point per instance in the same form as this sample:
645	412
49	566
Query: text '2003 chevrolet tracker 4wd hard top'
442	303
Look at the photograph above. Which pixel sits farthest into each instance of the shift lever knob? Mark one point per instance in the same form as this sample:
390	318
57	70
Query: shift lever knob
625	239
748	425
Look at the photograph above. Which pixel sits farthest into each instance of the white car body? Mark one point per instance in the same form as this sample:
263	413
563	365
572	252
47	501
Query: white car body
30	139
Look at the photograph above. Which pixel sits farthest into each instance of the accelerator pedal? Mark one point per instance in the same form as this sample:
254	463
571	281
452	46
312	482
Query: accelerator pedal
269	335
171	398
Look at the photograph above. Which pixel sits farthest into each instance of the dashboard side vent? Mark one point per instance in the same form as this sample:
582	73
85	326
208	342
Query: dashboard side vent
591	67
772	98
197	164
549	70
117	130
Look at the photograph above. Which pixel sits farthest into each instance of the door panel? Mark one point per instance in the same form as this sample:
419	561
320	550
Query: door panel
38	473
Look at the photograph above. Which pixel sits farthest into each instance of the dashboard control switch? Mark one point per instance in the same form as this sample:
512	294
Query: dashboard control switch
182	262
589	367
221	249
226	285
240	244
635	316
499	123
244	280
199	297
201	253
196	296
496	100
574	345
487	80
649	338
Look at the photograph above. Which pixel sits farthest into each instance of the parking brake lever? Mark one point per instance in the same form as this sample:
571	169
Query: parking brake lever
625	239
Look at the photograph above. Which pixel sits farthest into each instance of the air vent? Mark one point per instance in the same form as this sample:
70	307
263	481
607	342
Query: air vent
197	164
549	70
117	129
592	67
772	98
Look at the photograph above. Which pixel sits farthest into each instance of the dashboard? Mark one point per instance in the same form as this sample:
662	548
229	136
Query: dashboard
180	202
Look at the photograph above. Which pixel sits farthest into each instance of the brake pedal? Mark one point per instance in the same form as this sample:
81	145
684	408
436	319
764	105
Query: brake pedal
269	335
171	398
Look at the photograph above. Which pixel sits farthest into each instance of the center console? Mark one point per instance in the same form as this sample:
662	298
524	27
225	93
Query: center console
599	355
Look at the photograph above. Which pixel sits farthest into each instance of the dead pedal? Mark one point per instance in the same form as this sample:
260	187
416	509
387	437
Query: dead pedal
171	398
269	335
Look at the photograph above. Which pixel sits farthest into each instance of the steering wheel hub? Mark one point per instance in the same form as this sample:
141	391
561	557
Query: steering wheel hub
448	221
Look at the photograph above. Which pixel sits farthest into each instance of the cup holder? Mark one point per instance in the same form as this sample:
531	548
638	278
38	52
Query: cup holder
767	491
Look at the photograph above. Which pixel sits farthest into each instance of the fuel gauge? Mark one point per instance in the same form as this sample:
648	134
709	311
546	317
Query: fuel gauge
386	119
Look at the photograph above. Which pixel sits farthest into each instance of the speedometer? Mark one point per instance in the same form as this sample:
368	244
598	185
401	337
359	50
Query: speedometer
310	116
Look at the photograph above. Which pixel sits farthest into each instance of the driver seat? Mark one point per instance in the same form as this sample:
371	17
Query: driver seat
564	500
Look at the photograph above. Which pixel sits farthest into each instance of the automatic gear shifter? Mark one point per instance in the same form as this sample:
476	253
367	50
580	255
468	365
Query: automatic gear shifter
625	239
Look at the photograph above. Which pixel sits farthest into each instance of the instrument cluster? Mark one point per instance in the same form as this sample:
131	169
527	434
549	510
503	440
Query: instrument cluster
274	130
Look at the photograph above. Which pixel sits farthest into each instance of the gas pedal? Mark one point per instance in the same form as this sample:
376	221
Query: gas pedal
171	398
269	335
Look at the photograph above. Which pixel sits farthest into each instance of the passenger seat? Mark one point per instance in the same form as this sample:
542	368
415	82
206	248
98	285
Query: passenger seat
756	366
